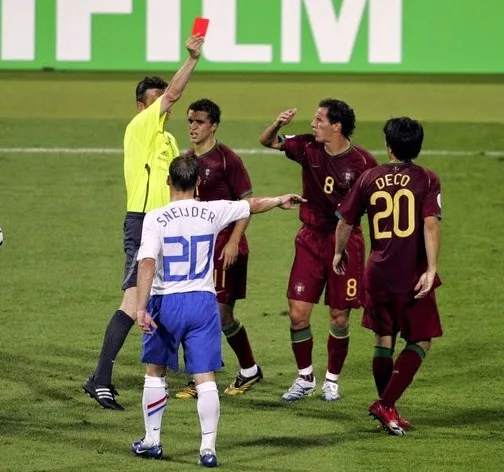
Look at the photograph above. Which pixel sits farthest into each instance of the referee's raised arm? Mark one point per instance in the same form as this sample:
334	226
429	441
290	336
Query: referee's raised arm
148	152
179	81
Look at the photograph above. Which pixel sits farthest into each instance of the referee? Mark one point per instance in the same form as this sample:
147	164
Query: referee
148	152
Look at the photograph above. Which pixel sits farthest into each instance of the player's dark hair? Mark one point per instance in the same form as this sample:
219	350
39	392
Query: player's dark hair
404	137
210	107
184	173
148	83
340	112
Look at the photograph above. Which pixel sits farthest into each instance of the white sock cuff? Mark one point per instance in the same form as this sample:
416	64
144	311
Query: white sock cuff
306	371
154	382
210	386
332	377
250	372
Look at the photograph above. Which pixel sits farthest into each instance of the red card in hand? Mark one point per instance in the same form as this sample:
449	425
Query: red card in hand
200	26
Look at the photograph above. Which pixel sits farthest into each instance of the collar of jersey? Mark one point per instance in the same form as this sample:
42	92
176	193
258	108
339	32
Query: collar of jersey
209	151
341	154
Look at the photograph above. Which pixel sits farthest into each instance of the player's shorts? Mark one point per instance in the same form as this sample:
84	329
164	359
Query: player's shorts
387	314
191	319
312	270
132	237
230	284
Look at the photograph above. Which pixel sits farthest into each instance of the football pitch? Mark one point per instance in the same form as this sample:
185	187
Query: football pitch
61	266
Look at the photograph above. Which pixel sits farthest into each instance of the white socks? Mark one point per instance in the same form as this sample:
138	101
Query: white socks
306	371
208	411
331	377
155	397
250	372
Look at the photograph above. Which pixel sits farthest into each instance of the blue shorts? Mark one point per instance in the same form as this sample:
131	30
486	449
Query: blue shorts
191	319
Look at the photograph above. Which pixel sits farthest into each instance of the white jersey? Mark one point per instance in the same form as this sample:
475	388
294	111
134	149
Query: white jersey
180	237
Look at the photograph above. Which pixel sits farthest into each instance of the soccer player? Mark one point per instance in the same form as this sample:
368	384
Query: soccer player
148	151
331	163
403	203
224	177
176	269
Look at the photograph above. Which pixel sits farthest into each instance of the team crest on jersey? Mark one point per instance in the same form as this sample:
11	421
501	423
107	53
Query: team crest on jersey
348	179
207	173
299	288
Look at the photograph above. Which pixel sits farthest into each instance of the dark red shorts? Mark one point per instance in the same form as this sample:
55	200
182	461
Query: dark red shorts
312	270
387	314
230	284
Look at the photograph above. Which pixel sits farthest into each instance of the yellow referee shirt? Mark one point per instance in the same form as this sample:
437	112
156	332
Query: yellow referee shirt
148	152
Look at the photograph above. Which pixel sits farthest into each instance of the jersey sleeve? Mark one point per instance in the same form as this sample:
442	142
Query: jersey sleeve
227	211
237	176
294	146
151	240
353	205
431	205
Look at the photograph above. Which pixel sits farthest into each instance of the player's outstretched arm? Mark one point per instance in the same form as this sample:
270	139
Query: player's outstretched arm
179	81
343	230
269	137
146	268
432	237
285	202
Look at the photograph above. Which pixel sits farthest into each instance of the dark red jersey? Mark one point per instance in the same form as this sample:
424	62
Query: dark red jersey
326	178
397	198
222	177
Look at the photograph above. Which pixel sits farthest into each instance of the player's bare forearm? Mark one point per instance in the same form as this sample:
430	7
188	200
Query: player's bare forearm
239	230
263	204
343	230
285	202
146	268
269	137
432	237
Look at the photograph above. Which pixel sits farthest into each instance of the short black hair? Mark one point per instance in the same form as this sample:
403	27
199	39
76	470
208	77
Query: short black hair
339	112
204	104
404	137
184	172
147	83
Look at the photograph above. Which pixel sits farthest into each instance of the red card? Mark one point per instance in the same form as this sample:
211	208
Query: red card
200	26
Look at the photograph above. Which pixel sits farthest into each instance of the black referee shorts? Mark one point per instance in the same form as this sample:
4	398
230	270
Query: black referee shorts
132	237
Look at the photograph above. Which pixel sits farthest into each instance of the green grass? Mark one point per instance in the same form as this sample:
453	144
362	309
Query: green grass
61	266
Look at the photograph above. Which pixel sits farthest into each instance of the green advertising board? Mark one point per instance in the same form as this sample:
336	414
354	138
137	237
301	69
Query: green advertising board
409	36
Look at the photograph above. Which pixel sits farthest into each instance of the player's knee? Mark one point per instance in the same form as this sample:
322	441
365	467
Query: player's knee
385	341
339	318
299	319
425	345
420	347
299	313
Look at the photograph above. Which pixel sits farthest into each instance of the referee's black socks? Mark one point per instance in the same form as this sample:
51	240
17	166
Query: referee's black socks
115	335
